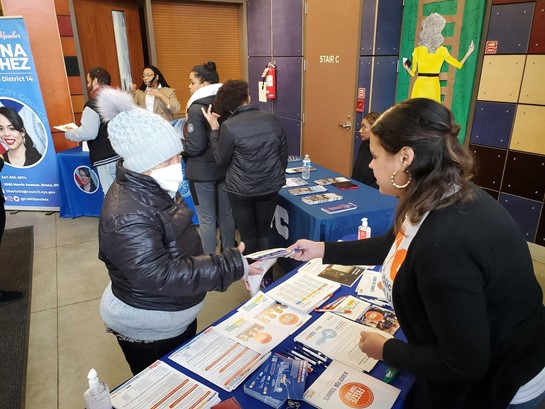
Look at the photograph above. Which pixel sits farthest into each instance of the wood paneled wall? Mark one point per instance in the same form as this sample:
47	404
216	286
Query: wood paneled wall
43	32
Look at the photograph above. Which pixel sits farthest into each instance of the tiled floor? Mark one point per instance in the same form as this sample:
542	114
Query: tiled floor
67	335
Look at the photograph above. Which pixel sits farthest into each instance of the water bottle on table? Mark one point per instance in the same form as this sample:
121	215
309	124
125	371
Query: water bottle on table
306	167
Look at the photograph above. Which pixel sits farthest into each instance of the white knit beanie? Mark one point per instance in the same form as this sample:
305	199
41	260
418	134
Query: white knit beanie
143	139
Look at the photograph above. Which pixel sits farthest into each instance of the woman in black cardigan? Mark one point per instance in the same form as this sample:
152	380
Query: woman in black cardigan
455	267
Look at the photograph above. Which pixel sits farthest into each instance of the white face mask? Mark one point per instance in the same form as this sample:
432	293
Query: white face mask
170	178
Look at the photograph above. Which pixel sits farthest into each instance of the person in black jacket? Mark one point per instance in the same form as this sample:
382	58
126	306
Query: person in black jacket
6	297
159	277
206	178
455	267
253	145
361	172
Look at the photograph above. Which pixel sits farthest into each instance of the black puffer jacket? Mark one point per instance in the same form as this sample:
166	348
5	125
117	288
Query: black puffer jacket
153	252
253	144
200	164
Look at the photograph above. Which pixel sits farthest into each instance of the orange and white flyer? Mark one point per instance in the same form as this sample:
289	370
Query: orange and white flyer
218	359
304	292
338	338
341	386
267	311
256	335
171	389
370	285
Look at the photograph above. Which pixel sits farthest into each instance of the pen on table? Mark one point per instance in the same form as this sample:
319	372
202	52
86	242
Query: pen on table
336	302
390	375
378	304
313	350
333	310
304	358
327	297
312	354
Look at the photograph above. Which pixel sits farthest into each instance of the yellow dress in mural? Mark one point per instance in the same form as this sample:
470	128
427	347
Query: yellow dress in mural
428	65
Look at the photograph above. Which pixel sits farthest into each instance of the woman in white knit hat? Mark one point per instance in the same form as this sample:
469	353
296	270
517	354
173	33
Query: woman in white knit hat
159	277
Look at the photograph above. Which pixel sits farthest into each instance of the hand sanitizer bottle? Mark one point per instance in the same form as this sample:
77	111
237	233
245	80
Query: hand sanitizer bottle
306	167
364	231
98	394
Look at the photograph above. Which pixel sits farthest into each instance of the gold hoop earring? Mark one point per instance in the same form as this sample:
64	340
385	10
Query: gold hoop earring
394	184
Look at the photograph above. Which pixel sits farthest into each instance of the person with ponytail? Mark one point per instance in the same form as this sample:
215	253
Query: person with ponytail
455	267
206	177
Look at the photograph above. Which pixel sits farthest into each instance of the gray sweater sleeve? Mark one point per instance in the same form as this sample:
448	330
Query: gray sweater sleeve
90	123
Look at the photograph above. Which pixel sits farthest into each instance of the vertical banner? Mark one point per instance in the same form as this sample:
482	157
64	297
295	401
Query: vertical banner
30	176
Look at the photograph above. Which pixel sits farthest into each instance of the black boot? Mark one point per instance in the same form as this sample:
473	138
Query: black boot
10	296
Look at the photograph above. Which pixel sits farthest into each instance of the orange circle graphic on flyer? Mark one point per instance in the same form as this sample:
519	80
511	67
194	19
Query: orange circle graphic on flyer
288	319
356	395
374	316
263	338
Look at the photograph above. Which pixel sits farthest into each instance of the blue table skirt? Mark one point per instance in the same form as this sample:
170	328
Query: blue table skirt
75	202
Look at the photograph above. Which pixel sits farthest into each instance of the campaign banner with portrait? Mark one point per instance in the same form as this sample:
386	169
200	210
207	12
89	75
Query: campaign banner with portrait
30	177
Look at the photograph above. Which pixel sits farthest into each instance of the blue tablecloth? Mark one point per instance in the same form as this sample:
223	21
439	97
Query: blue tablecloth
403	381
75	202
295	219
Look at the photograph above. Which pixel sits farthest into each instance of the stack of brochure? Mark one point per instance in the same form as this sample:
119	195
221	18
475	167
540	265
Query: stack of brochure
218	359
280	378
171	389
340	386
306	190
335	337
321	198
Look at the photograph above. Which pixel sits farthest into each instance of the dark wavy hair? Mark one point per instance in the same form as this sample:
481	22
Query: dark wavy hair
440	162
230	96
207	72
17	122
161	80
103	77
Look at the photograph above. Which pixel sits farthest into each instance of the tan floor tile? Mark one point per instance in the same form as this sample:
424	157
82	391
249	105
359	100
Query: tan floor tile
84	344
78	230
218	304
81	276
44	280
44	226
42	361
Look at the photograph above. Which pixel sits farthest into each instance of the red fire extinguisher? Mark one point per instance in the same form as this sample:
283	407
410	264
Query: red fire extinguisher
269	80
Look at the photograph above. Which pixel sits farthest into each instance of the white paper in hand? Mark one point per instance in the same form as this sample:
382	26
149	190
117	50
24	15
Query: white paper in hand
253	282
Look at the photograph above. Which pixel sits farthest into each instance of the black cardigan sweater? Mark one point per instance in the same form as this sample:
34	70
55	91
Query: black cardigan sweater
468	301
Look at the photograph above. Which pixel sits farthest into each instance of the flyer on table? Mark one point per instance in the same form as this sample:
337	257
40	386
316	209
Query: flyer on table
30	176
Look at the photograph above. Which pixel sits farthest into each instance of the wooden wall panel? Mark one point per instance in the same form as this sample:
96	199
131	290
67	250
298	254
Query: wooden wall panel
533	86
97	40
528	129
501	77
181	42
43	33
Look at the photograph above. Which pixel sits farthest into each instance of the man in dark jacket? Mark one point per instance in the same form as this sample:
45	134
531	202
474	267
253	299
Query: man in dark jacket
159	277
94	130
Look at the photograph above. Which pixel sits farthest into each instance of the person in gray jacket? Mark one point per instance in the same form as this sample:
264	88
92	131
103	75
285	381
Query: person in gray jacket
159	277
253	145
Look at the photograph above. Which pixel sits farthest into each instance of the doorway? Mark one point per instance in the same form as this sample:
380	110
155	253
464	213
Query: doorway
331	38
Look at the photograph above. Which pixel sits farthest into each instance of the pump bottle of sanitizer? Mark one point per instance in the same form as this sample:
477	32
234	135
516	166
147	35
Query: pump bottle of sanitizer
364	231
98	394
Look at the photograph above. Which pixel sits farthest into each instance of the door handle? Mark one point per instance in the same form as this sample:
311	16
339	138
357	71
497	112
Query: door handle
346	125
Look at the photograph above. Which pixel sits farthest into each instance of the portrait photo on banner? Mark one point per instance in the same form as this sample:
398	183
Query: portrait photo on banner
22	133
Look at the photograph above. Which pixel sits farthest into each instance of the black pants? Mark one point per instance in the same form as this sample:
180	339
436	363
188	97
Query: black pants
253	216
140	355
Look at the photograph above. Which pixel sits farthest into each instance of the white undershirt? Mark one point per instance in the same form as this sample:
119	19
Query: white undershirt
530	390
